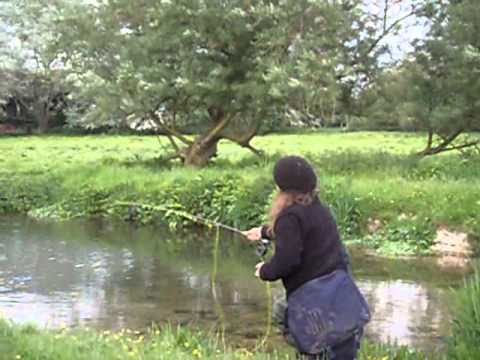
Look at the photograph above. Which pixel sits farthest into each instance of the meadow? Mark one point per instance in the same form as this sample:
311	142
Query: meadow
365	177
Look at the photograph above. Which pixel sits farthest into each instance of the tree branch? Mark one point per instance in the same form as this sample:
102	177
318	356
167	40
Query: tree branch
256	151
448	139
172	141
385	14
244	141
439	150
215	131
387	30
444	145
171	157
170	130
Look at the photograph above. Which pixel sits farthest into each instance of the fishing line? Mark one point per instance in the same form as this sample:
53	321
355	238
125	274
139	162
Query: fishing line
261	246
268	328
218	305
261	250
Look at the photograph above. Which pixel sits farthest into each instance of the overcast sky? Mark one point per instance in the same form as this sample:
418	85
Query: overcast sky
399	44
411	30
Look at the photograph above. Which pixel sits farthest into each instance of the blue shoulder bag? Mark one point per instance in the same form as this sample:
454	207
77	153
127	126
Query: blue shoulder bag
326	311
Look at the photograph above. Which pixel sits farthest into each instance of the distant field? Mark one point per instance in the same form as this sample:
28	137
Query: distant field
50	152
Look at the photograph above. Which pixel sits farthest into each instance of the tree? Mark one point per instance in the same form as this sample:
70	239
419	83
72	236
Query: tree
214	64
225	67
33	82
435	89
33	99
349	54
445	78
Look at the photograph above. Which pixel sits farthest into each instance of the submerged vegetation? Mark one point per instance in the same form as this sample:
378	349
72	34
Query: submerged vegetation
375	181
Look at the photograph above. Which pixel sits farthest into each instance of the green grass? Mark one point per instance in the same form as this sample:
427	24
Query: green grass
362	175
29	343
466	326
57	152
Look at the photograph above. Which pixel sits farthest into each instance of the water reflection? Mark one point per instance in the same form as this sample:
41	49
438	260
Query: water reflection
406	313
113	276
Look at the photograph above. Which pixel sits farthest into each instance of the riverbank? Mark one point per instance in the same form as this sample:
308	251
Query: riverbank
382	197
28	343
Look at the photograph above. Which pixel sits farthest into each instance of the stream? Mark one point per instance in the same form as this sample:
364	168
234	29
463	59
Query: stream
106	275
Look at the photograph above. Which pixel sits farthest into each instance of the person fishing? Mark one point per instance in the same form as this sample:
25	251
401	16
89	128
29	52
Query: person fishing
325	311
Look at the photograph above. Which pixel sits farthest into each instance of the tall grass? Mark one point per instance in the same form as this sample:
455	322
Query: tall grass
370	351
465	342
30	343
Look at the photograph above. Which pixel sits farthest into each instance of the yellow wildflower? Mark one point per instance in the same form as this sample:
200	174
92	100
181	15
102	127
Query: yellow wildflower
197	353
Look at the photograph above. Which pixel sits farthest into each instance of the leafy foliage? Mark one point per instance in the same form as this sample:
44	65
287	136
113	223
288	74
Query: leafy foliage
33	87
227	69
434	91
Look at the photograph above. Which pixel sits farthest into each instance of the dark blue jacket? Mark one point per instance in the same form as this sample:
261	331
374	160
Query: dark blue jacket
307	245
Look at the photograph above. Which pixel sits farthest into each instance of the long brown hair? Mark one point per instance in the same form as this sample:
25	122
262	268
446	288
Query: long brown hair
285	199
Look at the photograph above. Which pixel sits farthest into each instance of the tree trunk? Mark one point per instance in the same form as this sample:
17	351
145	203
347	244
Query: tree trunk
43	115
200	152
205	146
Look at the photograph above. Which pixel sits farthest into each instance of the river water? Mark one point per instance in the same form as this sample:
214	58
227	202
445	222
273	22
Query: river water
114	275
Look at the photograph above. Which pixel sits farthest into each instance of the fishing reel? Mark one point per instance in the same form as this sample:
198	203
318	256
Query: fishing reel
261	247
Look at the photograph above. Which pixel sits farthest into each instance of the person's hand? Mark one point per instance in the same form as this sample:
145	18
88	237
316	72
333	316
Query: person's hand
257	269
254	234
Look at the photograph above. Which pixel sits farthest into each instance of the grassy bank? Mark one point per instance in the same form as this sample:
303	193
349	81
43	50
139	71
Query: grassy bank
466	326
365	177
29	343
26	342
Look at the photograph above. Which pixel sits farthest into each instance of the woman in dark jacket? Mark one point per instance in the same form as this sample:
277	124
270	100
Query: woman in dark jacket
311	261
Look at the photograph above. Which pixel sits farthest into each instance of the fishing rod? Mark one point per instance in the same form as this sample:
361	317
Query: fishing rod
261	246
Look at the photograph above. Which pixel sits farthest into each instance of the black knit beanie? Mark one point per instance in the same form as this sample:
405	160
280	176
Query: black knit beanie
293	173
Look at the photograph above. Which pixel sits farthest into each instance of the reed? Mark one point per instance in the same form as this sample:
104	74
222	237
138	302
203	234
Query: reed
466	325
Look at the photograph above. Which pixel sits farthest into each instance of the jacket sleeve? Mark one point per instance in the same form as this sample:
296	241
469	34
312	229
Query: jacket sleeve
266	233
288	249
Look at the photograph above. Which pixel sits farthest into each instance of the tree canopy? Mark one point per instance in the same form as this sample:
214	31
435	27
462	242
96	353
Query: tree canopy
436	89
230	69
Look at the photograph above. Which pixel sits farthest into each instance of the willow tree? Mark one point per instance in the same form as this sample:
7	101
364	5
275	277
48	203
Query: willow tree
226	68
